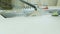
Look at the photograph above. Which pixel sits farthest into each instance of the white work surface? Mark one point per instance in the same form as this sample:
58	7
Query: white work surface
31	25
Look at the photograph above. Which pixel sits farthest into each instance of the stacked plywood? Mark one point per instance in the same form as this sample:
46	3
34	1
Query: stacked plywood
52	2
49	2
17	4
44	2
58	4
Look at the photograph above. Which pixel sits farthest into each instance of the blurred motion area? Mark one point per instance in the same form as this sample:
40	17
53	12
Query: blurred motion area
12	8
9	4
